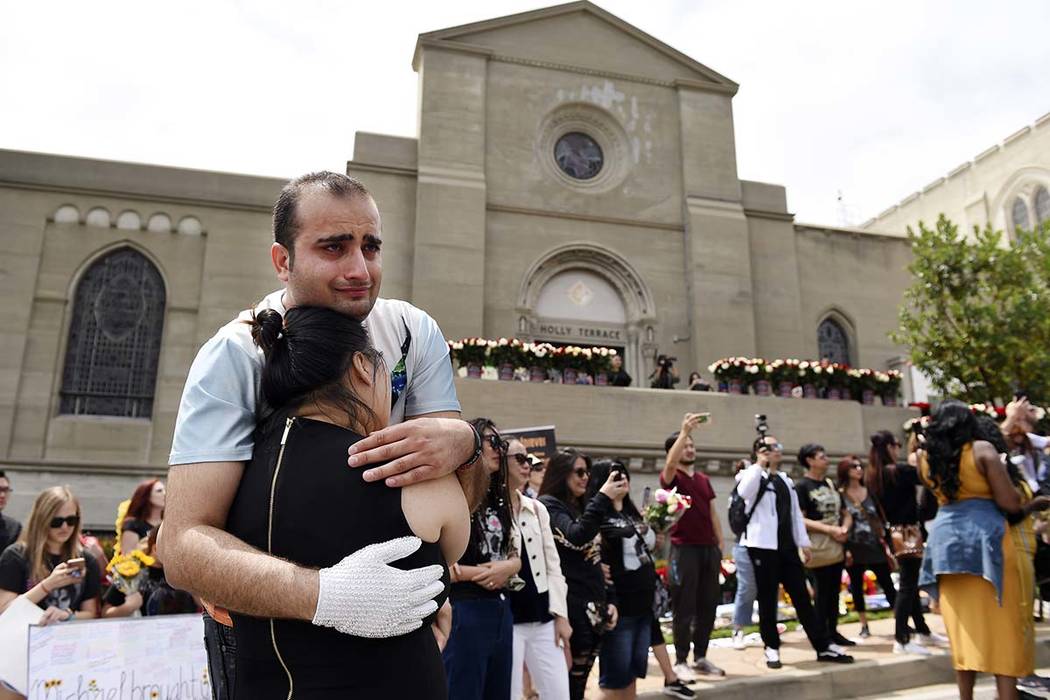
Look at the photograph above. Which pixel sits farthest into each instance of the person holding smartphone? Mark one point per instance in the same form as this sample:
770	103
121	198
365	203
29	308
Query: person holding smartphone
696	553
47	565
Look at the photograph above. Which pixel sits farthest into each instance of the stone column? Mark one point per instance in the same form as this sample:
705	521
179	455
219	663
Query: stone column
717	250
448	278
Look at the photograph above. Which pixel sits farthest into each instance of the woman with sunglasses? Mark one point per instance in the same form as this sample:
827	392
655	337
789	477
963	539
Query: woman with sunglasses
896	489
479	656
576	523
541	624
47	563
866	547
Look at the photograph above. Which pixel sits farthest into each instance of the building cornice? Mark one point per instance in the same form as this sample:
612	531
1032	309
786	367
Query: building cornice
572	216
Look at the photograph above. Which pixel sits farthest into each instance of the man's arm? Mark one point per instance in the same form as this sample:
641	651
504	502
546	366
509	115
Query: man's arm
200	557
717	526
423	447
689	421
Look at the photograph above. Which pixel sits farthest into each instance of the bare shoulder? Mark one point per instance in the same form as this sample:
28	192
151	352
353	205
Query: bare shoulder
430	505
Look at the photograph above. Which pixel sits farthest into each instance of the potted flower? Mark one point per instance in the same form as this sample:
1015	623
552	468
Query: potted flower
470	353
507	355
889	384
837	377
569	361
758	377
808	379
731	373
538	359
601	363
785	375
863	384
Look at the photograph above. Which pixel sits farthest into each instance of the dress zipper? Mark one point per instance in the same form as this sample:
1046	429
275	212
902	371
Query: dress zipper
269	545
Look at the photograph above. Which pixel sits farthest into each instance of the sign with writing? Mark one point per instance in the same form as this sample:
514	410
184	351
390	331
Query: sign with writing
139	658
569	330
538	441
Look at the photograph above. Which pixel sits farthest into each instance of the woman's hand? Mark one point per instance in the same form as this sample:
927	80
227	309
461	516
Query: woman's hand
61	576
614	617
53	614
839	534
562	632
807	555
496	573
442	626
616	488
1037	504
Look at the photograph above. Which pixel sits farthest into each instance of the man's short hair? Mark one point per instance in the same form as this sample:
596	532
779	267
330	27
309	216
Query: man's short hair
810	449
285	225
670	441
3	474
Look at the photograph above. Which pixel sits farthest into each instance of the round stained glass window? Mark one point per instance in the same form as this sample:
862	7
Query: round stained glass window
578	155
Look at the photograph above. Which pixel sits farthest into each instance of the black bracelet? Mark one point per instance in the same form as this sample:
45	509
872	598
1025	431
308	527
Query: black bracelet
477	449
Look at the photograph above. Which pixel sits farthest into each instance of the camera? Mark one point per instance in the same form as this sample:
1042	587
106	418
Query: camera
665	360
761	424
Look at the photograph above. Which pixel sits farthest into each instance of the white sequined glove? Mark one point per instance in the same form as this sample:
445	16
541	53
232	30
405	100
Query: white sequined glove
364	596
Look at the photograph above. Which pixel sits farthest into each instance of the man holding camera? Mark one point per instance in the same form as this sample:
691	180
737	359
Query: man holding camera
665	376
696	553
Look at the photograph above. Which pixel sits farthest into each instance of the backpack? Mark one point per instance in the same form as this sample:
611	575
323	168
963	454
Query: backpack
739	517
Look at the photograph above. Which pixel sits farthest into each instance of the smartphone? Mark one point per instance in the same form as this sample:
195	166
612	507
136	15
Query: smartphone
78	565
704	417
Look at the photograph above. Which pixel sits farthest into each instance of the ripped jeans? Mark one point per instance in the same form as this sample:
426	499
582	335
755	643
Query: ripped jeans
584	644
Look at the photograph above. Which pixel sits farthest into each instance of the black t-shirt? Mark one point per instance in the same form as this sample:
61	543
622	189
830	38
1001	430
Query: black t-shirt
630	563
14	577
785	536
139	527
10	529
485	545
620	378
528	604
819	500
899	501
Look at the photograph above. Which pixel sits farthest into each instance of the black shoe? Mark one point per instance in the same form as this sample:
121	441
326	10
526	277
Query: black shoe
842	641
678	689
772	658
833	657
864	631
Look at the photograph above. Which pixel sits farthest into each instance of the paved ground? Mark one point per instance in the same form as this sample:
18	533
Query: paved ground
747	675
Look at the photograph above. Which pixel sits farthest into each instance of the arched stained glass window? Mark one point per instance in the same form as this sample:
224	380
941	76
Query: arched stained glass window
114	338
1042	205
1020	215
832	342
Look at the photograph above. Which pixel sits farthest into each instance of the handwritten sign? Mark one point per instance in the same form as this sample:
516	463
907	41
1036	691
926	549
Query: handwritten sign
144	658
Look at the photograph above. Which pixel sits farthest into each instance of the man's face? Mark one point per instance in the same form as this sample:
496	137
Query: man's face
774	451
819	462
617	362
688	452
5	491
338	264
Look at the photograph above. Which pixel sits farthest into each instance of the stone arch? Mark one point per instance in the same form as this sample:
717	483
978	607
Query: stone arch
1023	185
114	336
98	217
159	223
190	226
66	214
129	221
832	321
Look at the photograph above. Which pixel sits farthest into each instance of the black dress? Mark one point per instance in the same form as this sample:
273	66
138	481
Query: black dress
322	511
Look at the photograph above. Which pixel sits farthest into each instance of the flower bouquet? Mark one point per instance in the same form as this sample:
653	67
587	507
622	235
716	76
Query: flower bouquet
128	571
666	508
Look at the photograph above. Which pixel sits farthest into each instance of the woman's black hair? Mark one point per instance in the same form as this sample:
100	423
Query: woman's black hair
600	470
952	427
988	430
308	354
497	497
881	468
556	479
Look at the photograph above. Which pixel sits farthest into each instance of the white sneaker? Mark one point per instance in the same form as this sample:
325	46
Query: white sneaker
772	658
836	648
738	640
933	639
684	673
911	648
706	668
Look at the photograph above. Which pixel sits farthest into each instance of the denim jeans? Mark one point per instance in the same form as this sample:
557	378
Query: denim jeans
221	646
479	655
746	588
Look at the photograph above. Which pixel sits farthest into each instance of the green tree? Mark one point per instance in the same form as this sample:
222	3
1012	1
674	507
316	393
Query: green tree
977	315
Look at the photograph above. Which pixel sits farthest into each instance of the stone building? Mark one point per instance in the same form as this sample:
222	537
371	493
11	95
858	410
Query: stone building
1007	186
573	179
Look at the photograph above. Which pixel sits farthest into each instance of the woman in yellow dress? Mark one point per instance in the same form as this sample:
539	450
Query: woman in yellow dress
979	552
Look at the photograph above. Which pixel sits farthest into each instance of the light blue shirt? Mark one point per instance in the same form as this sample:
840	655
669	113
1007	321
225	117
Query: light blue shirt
218	411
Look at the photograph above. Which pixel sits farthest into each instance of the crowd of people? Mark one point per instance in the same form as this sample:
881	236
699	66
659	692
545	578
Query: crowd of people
346	532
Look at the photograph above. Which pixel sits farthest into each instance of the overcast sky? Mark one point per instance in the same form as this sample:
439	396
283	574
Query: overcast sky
873	99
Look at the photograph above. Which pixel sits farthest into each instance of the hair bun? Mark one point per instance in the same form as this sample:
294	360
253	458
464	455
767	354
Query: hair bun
266	329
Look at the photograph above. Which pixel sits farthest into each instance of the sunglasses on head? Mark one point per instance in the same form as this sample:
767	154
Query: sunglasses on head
71	520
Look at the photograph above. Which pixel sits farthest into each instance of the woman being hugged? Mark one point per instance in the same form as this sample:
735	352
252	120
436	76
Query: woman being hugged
576	522
325	388
47	564
979	554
